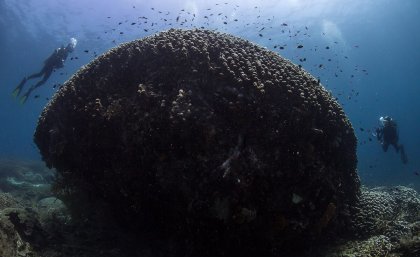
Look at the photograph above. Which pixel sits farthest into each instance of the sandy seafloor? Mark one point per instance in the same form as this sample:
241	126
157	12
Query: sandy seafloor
35	223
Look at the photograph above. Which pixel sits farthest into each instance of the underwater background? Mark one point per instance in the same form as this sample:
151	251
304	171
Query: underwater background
117	197
365	52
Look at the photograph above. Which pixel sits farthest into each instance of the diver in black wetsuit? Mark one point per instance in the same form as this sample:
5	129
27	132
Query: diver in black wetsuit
387	134
55	61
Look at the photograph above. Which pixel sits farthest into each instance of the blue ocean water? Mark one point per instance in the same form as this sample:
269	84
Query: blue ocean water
365	52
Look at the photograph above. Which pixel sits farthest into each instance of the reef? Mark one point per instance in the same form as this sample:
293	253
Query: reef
386	223
205	140
33	224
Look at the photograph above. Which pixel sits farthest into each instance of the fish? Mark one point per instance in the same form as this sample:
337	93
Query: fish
299	46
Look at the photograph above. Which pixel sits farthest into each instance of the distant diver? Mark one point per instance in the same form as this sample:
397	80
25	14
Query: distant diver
387	134
52	63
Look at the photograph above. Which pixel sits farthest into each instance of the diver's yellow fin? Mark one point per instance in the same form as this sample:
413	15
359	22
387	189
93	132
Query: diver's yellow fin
23	99
16	92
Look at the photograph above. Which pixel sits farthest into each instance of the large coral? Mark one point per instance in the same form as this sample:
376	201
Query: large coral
204	139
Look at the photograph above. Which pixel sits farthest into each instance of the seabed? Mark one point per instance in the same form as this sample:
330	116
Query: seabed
33	222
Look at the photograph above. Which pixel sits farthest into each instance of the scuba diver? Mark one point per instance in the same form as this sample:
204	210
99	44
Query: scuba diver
387	135
52	63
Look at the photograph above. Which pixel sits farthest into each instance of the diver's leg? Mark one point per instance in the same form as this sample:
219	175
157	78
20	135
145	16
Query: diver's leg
385	146
40	83
396	146
36	75
18	89
404	158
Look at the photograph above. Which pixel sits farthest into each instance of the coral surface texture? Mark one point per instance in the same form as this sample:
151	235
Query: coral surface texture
205	140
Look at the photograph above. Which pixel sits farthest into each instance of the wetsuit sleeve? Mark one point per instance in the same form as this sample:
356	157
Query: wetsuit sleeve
379	133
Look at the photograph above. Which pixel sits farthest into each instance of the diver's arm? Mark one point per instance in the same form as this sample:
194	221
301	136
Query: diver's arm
379	133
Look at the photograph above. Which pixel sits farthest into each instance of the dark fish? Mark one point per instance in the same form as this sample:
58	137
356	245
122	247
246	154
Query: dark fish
327	47
370	139
362	129
121	33
36	96
416	173
86	51
133	23
281	47
260	35
284	24
320	66
299	46
224	22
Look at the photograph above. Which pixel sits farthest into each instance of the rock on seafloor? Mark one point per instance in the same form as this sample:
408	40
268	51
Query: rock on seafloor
204	140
